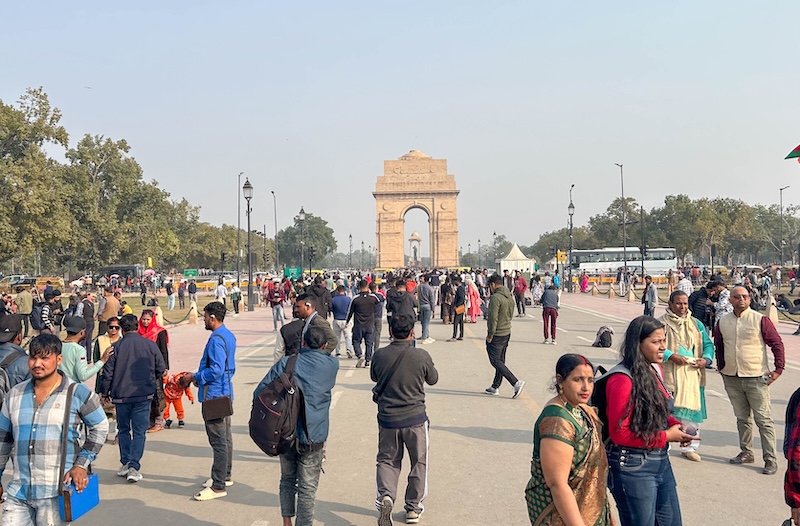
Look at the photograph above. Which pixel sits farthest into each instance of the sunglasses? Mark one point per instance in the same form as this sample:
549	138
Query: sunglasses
113	327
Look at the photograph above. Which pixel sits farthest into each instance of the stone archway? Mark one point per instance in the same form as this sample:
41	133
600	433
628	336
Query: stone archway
416	180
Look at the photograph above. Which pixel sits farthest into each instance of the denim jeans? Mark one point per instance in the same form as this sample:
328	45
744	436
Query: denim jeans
425	318
31	512
277	314
299	482
171	302
497	357
366	333
219	436
643	486
132	421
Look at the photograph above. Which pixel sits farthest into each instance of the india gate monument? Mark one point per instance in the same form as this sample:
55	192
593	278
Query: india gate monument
416	180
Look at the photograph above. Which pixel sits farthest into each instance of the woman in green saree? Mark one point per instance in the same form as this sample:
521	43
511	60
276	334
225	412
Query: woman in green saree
569	467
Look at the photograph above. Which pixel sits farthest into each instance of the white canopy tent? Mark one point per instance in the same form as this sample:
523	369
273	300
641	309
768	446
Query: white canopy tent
515	260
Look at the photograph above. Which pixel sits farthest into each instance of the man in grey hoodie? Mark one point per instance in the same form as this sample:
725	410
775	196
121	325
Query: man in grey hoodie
498	333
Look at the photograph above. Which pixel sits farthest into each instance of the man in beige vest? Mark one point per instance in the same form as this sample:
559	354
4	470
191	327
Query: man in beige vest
742	338
24	301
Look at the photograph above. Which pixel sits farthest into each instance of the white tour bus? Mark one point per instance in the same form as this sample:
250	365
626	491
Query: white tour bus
657	261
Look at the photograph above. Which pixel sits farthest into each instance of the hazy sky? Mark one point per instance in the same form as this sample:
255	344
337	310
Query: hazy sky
522	99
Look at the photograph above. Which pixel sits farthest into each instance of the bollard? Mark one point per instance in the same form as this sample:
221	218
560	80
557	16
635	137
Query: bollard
611	294
193	312
631	295
595	292
772	310
159	315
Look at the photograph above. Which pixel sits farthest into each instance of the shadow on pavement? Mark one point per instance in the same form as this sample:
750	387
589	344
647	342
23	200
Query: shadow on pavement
130	511
455	392
518	436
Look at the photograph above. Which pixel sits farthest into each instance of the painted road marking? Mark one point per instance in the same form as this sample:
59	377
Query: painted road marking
261	344
587	340
349	373
562	330
336	396
597	314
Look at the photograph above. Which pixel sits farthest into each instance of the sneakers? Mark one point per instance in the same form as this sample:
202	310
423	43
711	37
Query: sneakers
366	364
770	467
134	475
181	423
492	391
693	456
553	342
412	517
546	341
168	423
349	354
360	362
428	341
742	458
385	517
123	471
518	388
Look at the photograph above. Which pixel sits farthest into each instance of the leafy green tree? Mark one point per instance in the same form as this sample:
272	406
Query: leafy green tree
313	232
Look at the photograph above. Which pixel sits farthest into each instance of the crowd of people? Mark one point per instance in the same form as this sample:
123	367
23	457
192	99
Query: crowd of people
602	433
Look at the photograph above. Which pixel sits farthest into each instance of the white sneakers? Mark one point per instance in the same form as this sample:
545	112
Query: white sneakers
518	388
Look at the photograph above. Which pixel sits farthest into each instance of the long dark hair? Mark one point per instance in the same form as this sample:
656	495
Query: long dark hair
647	406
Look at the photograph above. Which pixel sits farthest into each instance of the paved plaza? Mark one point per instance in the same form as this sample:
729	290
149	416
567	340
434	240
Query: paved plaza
480	447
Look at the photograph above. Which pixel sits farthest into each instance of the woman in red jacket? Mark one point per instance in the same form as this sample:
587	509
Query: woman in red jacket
638	413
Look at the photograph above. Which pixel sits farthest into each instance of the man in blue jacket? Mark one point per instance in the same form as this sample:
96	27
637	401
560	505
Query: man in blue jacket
214	379
129	377
315	375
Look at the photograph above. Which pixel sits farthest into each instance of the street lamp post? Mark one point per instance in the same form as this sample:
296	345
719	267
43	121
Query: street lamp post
571	212
624	221
238	230
469	254
362	255
644	246
275	208
265	247
302	217
781	191
494	249
247	190
350	254
479	253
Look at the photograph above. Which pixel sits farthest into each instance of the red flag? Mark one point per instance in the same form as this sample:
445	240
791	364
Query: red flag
794	154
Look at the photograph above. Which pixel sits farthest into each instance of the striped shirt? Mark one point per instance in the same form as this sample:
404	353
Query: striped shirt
36	432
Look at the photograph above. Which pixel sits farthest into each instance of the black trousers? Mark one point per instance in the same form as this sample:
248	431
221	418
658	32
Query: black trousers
26	322
496	349
458	324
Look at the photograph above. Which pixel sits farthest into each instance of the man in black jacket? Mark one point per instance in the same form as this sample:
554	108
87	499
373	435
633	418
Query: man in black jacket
459	303
703	298
129	378
10	339
400	371
321	296
399	301
363	309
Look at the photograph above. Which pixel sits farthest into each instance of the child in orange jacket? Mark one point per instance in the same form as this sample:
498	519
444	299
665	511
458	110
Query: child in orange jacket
173	393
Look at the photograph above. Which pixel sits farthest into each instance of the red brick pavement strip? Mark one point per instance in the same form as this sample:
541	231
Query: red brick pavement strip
187	341
624	311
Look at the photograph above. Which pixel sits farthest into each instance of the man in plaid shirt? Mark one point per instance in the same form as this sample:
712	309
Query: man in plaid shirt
32	418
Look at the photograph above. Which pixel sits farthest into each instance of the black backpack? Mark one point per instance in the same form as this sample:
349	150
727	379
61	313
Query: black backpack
599	400
276	413
5	380
36	316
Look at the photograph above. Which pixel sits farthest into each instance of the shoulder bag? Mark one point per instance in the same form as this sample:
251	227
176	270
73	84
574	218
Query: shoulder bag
71	504
222	406
377	391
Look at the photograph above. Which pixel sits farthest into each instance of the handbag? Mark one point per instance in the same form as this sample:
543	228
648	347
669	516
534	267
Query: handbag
222	406
461	309
71	504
